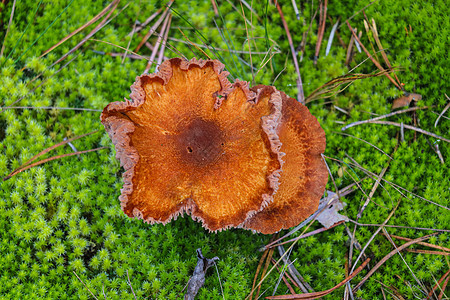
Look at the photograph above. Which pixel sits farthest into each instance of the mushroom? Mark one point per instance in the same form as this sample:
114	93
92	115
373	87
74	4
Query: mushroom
304	174
192	142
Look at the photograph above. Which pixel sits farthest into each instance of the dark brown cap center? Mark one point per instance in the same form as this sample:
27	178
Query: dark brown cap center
200	142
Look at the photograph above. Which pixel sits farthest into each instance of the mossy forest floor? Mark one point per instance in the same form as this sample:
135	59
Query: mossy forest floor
63	217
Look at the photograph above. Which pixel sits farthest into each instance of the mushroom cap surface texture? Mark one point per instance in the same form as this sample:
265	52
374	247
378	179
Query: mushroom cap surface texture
192	142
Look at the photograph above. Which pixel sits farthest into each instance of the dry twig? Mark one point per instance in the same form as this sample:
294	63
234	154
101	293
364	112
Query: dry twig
392	253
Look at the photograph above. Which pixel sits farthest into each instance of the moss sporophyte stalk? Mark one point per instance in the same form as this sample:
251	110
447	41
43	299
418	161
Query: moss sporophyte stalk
64	216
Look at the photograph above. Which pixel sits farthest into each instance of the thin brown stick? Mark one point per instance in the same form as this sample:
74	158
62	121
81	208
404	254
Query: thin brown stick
376	233
314	232
374	30
164	43
195	45
444	286
132	34
158	42
392	253
300	94
105	20
141	26
446	275
421	243
87	24
384	116
386	234
85	285
51	107
7	29
349	55
377	64
304	286
323	293
399	226
48	150
154	27
258	269
322	23
283	276
50	159
264	272
428	252
302	45
216	11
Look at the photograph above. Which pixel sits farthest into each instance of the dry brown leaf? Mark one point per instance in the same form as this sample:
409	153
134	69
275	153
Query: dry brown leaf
330	215
406	99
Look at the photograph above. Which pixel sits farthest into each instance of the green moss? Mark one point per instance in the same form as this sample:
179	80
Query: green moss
65	216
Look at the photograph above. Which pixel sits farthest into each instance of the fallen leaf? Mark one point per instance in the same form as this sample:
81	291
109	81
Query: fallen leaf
405	100
330	215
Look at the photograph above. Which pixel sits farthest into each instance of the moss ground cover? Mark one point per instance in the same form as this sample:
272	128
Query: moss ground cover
64	216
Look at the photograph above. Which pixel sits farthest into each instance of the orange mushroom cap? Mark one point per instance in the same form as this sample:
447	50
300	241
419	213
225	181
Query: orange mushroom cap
304	173
190	141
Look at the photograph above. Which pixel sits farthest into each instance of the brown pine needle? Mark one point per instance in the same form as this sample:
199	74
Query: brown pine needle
392	253
105	21
428	252
141	26
193	44
7	29
51	107
17	171
79	29
377	64
421	243
322	23
154	27
120	47
258	269
85	285
329	89
214	5
446	275
283	275
374	30
316	295
164	43
162	33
